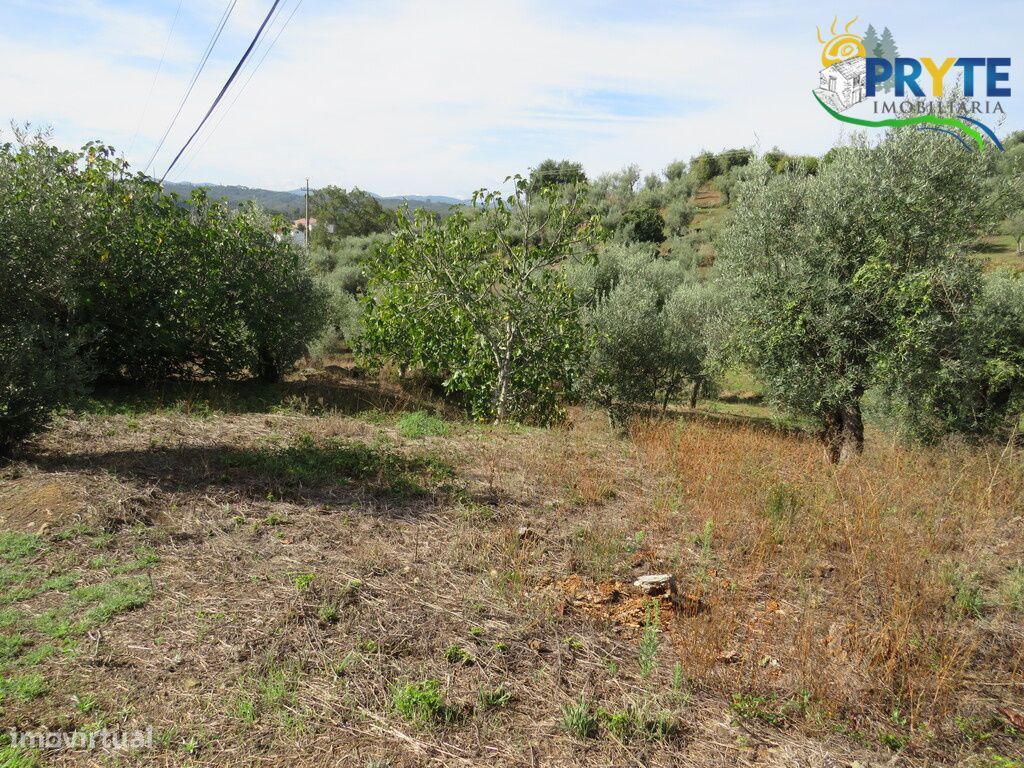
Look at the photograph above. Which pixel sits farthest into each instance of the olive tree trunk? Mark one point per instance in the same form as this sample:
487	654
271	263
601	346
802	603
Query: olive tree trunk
694	393
844	432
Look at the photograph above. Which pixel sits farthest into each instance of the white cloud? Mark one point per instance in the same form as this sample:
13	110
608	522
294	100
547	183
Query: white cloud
407	97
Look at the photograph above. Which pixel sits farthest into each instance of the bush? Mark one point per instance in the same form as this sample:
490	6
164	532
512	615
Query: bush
675	170
643	224
703	169
40	364
97	259
490	316
647	333
189	290
678	216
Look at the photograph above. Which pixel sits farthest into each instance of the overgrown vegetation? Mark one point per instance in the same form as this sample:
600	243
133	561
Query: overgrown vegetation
106	276
481	304
358	574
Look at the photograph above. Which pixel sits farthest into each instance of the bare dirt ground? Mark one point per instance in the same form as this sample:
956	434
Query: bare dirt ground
307	576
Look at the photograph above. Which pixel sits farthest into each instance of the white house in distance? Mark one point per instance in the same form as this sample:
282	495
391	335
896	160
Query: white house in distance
842	85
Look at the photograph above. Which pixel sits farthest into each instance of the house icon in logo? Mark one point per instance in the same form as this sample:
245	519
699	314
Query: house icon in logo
841	82
841	85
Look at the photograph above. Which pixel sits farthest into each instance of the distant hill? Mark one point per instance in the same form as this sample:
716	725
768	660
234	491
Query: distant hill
290	203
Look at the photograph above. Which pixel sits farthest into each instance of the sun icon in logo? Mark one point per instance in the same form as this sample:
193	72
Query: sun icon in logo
841	47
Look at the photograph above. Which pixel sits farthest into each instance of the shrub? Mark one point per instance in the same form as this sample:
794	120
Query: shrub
488	315
190	290
40	365
647	335
643	224
678	216
703	169
97	259
967	374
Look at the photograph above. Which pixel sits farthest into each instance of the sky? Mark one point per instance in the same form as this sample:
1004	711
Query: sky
444	97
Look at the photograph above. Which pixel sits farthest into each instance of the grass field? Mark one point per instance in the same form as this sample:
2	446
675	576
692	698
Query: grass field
333	572
1000	252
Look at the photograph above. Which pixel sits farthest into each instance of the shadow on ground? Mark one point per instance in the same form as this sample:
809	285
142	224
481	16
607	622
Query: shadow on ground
316	394
326	470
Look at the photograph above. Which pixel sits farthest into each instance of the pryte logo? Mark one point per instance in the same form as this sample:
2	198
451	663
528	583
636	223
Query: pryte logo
907	72
866	75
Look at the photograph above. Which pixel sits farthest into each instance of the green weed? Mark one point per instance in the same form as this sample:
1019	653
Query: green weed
579	719
765	709
1012	589
16	757
648	658
494	697
456	654
422	703
632	723
303	581
22	687
11	646
108	599
16	547
422	424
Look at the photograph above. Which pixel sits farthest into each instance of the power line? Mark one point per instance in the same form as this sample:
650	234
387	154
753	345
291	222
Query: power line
223	90
241	89
195	76
152	86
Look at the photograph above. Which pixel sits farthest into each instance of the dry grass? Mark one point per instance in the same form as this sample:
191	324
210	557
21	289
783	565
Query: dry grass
871	595
270	579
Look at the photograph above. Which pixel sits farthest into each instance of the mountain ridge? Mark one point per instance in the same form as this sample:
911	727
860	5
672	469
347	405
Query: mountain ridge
291	203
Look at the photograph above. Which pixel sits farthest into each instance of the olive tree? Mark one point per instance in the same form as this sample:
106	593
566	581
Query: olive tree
480	299
1014	227
969	377
343	213
647	324
830	271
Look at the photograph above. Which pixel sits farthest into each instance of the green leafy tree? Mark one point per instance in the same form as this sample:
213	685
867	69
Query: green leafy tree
647	325
968	375
835	274
195	289
482	302
678	215
703	169
642	223
675	170
341	213
104	275
1014	227
556	173
733	158
775	159
40	215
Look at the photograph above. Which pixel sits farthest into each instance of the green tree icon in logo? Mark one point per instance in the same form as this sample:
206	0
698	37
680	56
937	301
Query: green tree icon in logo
883	47
871	41
887	50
